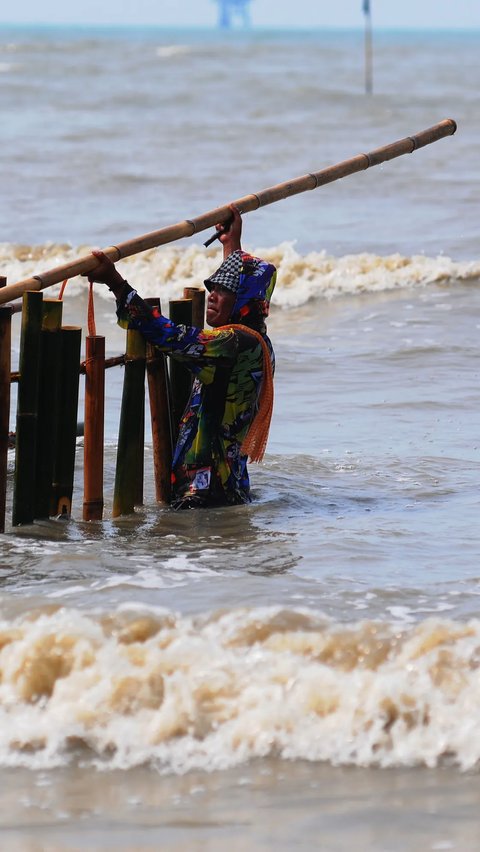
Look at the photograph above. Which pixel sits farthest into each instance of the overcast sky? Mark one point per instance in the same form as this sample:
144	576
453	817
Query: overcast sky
275	13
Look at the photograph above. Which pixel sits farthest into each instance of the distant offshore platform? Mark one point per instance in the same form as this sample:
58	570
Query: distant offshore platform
230	11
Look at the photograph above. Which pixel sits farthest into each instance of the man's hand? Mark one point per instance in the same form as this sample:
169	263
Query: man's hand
231	239
105	273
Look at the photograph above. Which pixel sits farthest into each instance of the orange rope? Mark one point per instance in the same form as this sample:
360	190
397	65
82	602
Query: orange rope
62	289
92	329
255	441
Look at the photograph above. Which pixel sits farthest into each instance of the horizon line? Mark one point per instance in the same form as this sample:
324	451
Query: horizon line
234	30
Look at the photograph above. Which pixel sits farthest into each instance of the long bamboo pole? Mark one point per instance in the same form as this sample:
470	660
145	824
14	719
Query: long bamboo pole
189	227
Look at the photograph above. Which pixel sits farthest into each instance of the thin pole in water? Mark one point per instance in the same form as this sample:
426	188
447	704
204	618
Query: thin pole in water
368	48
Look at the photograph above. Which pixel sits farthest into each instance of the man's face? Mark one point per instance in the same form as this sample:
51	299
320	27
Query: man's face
220	305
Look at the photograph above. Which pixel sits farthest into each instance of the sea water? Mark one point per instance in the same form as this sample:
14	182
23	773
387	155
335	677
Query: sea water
301	672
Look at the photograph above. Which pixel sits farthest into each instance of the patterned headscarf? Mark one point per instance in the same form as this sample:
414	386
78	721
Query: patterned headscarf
251	279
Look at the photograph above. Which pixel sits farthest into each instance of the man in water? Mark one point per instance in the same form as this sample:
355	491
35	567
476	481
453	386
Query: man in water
228	414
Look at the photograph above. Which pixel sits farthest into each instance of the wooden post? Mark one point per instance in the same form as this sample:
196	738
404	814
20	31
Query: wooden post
64	463
180	376
197	295
47	421
129	468
94	428
160	412
5	367
27	410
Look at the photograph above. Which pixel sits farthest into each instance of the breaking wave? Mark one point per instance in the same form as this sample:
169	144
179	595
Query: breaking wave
316	275
139	686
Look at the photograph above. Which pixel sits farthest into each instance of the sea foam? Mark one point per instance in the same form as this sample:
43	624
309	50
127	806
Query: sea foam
139	686
316	275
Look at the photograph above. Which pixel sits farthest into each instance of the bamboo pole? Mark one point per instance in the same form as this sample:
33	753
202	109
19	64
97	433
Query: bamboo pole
5	366
130	435
64	463
94	428
180	377
160	413
27	410
189	227
47	422
197	295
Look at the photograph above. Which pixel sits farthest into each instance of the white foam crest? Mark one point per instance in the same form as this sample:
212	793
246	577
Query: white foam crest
167	51
140	686
165	271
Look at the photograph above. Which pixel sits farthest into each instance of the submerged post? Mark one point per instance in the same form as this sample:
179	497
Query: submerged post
368	48
160	413
5	367
180	376
47	423
27	410
129	468
94	428
197	295
64	462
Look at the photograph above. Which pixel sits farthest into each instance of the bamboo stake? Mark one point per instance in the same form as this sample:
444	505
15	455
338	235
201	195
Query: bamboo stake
94	428
5	365
180	377
130	435
189	227
64	465
47	422
197	295
160	413
27	410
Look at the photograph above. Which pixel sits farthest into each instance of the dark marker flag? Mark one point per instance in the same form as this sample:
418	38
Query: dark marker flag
366	7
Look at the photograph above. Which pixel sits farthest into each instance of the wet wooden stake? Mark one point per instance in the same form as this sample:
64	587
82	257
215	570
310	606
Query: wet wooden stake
64	462
27	410
5	367
129	468
47	422
160	413
94	428
180	376
197	295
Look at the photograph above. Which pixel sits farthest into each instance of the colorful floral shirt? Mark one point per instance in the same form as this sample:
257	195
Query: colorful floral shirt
208	467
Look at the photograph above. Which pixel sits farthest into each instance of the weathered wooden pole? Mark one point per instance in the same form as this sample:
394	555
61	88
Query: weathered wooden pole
197	295
180	377
129	467
5	368
160	413
27	410
47	421
64	462
94	428
189	227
